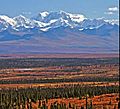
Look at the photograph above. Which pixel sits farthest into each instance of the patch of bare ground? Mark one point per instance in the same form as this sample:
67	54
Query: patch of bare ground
105	101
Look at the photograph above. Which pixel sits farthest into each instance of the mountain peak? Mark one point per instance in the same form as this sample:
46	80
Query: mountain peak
44	13
6	19
20	17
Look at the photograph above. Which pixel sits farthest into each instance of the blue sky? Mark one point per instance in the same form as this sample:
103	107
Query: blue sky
90	8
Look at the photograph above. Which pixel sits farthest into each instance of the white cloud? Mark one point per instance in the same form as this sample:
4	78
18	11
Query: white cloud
113	9
109	13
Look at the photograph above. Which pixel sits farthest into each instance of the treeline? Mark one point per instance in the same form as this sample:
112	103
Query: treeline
45	62
79	79
10	98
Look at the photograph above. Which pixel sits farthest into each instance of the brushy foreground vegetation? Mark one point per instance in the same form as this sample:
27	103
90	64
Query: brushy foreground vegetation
17	98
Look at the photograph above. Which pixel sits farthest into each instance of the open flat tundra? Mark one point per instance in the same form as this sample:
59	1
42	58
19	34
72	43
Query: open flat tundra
59	81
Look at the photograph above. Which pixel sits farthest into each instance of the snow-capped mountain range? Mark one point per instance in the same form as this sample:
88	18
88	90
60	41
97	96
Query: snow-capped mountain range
45	21
59	29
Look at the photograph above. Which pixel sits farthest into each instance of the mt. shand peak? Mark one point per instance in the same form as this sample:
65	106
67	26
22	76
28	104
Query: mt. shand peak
58	32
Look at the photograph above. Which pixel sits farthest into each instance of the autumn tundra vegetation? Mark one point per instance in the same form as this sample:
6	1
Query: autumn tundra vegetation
59	83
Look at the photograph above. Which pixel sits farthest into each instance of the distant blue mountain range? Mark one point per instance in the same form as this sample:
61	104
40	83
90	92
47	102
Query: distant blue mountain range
58	32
